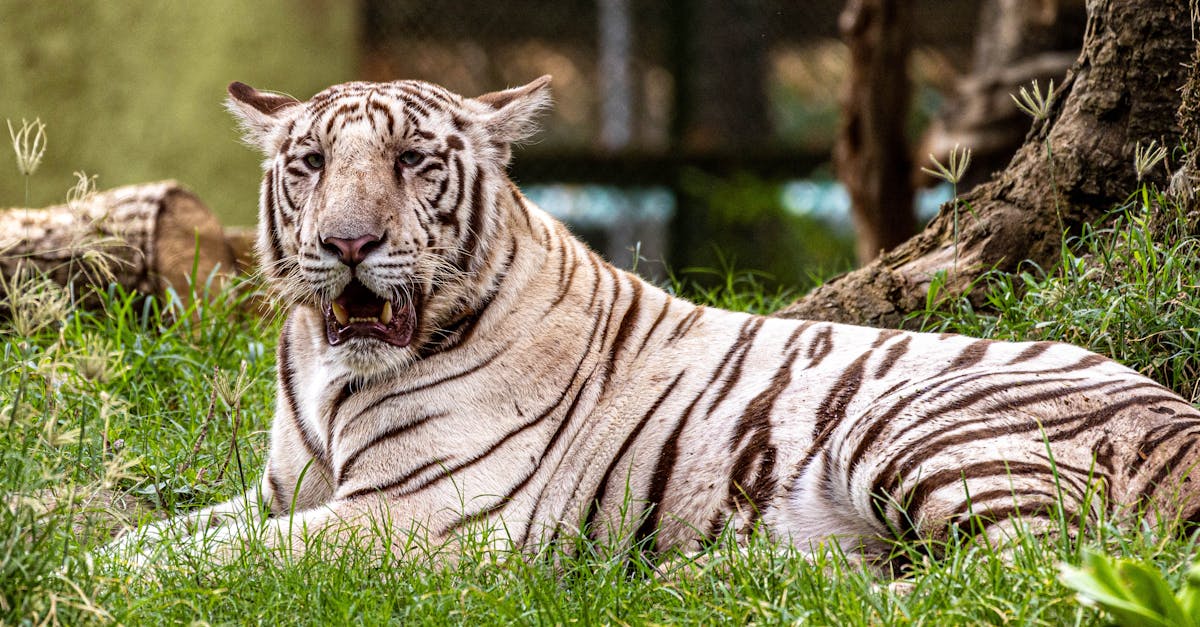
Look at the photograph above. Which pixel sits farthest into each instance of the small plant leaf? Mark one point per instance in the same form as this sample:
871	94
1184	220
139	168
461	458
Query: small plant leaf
1134	594
1147	585
1189	594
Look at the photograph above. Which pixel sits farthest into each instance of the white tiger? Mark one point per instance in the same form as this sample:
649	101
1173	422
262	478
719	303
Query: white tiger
454	360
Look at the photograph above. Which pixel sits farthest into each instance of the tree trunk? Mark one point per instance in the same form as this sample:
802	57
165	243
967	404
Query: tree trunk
1075	165
1019	41
1185	182
145	237
872	154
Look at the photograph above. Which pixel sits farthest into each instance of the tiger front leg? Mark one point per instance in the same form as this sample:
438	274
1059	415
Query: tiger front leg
369	525
139	546
290	483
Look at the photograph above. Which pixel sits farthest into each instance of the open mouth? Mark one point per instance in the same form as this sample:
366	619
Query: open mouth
359	312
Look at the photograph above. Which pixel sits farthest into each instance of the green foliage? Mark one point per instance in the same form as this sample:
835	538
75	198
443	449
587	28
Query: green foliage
1127	291
742	218
727	287
1135	593
98	416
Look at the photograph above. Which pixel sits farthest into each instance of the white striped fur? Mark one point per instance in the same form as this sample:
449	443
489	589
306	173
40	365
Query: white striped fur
545	391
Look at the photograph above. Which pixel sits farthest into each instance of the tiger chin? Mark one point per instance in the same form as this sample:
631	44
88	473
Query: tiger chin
455	361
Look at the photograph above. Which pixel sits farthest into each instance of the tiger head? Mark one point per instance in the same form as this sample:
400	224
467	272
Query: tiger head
379	204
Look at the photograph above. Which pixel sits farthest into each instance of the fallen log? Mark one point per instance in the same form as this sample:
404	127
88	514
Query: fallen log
146	237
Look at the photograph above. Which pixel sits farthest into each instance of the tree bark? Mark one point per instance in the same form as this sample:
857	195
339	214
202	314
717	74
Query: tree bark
1075	165
147	237
872	155
1019	41
1185	182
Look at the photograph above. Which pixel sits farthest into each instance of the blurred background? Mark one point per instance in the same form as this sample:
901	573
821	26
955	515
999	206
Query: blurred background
695	132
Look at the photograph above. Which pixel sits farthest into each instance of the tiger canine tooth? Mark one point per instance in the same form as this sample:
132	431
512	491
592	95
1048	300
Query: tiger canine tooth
386	316
339	312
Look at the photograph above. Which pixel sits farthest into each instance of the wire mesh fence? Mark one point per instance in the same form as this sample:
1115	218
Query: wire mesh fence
676	125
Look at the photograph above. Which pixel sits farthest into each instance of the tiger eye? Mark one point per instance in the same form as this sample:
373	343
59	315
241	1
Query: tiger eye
315	160
411	157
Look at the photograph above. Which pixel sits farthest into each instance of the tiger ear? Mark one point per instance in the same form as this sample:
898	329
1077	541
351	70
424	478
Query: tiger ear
261	114
511	114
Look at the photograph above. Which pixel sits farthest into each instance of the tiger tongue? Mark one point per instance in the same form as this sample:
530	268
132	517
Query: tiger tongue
359	313
357	301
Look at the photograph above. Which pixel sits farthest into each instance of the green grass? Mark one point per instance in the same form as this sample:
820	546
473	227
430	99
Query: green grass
111	403
1121	291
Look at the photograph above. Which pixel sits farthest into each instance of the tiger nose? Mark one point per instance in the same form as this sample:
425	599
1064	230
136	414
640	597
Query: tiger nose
351	251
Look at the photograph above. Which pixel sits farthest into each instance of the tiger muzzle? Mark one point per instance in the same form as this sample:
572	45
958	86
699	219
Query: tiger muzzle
360	313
